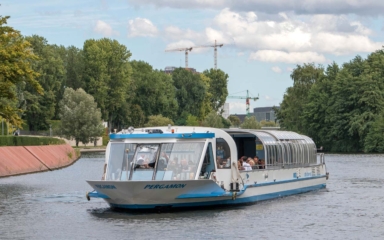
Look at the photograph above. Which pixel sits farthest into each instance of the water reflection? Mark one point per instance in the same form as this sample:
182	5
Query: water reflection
52	205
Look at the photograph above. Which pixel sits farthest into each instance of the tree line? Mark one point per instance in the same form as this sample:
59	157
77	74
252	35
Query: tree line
34	76
340	107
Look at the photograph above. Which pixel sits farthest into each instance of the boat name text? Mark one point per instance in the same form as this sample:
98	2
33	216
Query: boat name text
105	186
162	186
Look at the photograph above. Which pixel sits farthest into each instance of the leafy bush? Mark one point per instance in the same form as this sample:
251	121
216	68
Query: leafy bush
105	137
29	141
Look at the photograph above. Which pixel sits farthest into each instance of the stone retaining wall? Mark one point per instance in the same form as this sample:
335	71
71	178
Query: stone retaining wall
28	159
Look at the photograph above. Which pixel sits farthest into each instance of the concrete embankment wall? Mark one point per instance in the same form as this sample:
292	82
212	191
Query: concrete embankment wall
29	159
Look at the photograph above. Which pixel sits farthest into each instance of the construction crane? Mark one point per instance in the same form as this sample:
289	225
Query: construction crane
215	50
186	50
247	98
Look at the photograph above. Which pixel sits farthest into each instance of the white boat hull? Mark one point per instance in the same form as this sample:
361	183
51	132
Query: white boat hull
192	193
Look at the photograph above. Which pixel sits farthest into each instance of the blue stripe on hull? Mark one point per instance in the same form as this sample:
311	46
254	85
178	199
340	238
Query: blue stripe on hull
222	202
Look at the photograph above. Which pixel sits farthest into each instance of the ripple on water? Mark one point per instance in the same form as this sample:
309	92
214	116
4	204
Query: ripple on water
52	205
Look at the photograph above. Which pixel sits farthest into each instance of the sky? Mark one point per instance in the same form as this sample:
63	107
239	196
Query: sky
262	40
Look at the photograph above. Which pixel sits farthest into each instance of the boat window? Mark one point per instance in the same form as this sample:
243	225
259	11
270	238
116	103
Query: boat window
223	154
179	160
144	162
127	161
115	161
208	163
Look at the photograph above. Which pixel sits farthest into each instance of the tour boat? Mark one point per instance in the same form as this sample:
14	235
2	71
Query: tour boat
182	167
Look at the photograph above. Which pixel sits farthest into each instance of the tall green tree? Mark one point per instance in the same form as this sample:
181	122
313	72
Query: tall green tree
16	60
317	113
217	87
80	117
295	98
154	90
190	93
41	109
74	67
107	75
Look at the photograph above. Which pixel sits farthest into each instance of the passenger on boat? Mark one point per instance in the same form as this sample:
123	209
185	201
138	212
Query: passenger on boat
240	164
172	165
246	165
251	162
261	164
219	162
256	160
165	156
184	167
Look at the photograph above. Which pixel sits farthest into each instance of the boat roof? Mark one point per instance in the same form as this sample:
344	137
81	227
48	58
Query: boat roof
185	132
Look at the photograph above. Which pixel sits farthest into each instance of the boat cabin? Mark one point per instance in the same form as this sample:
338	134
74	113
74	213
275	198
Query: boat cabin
193	153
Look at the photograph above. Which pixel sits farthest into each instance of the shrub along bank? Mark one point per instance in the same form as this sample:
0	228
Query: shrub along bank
29	141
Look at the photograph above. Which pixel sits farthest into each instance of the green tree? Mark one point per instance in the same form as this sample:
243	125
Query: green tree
374	141
235	120
316	113
264	123
107	75
226	122
192	121
213	120
15	71
217	87
295	98
80	117
250	123
74	67
206	106
154	91
41	109
190	93
158	120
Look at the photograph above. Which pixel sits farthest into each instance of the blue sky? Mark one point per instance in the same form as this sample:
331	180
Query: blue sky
263	40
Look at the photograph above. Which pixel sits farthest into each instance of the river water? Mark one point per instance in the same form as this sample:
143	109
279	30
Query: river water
52	205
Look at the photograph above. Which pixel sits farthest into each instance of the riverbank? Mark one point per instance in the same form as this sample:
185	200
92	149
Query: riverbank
17	160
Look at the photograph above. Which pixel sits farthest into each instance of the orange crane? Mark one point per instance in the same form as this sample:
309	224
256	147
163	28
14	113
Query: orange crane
186	50
247	98
215	50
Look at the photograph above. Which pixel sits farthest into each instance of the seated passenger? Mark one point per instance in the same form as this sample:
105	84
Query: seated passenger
162	164
240	164
256	160
246	165
261	164
165	156
219	162
251	162
184	167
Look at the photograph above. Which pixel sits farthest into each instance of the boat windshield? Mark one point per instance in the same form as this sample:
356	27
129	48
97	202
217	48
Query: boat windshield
142	162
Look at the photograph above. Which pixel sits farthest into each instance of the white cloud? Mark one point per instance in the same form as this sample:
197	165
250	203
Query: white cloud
289	69
366	7
276	69
237	108
141	27
292	57
104	28
288	38
180	44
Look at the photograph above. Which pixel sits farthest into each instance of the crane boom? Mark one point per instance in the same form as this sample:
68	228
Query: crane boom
215	50
247	98
181	49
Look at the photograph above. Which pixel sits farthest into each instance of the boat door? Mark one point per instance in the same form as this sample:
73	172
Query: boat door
144	163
